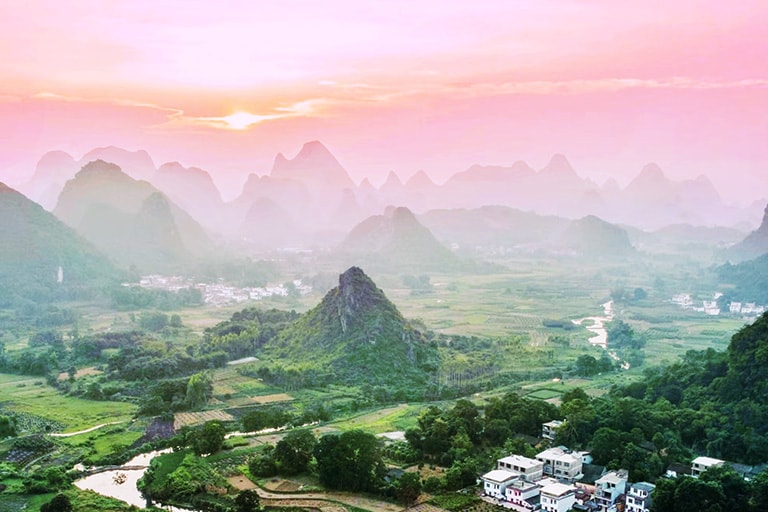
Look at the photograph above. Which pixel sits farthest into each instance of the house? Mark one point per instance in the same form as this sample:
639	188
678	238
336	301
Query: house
639	497
701	464
561	464
530	470
608	489
677	469
495	482
523	494
557	497
549	429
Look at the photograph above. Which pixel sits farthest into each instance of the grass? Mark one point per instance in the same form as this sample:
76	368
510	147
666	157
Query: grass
390	419
544	394
33	396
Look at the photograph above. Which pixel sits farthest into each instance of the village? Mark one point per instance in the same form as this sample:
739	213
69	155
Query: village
220	294
560	480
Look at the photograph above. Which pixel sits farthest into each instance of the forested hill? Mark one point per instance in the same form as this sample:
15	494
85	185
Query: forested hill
721	396
748	281
358	336
35	244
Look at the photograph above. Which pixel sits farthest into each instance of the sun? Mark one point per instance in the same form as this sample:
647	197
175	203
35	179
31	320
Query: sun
242	120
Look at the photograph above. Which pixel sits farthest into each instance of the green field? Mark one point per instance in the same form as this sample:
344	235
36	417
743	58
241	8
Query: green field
32	395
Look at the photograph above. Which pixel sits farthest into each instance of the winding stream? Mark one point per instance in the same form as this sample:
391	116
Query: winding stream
106	482
597	327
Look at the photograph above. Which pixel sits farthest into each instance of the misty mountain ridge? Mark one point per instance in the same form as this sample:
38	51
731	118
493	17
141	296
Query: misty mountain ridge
755	244
129	220
397	239
316	190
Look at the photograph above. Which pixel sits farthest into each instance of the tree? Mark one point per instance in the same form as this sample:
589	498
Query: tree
209	438
199	390
408	488
294	451
760	491
7	427
248	501
263	465
350	461
59	503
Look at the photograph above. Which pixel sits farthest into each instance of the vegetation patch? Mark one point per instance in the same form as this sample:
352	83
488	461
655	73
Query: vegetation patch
190	419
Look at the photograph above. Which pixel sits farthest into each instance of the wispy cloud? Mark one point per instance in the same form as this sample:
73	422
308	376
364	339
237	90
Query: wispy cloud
242	119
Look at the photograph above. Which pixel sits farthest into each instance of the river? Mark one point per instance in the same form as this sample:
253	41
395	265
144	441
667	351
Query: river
106	483
597	326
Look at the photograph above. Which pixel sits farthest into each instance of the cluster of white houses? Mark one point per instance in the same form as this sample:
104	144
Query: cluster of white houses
552	483
549	483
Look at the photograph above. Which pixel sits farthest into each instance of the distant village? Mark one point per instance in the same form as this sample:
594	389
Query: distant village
747	310
560	480
220	294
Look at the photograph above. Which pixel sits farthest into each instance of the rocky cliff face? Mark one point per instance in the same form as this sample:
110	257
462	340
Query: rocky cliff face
755	244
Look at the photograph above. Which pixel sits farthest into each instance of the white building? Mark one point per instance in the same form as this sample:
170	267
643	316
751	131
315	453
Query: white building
557	497
701	464
608	489
639	497
523	494
549	429
495	482
561	464
530	470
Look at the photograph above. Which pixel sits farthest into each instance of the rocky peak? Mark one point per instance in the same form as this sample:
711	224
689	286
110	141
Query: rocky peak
558	166
358	294
315	164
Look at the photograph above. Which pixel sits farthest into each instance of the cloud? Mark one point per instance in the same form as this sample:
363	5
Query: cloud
242	120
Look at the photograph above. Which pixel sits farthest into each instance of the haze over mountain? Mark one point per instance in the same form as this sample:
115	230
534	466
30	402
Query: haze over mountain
192	189
41	258
316	202
593	237
397	239
755	244
130	220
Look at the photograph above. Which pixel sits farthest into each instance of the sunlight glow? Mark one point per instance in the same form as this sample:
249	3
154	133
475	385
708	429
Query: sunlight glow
242	120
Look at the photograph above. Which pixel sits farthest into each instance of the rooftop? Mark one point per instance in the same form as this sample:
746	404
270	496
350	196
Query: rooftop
557	490
707	461
519	460
500	476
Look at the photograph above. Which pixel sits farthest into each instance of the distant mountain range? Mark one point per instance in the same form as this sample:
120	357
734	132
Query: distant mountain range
131	221
311	201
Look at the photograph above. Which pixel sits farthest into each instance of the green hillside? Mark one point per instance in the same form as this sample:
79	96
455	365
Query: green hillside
35	244
357	336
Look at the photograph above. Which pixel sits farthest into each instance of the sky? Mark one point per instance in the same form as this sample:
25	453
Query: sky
393	85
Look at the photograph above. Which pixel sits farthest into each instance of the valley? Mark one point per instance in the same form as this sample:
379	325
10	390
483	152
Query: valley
258	343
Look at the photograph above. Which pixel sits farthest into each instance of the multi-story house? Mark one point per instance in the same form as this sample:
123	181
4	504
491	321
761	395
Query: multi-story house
701	464
495	482
530	470
561	464
557	497
523	494
639	497
609	488
549	429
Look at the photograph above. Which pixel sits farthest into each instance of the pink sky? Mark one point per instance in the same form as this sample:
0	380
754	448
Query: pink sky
393	85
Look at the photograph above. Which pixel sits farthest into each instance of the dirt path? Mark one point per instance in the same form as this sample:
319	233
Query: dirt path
326	500
70	434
